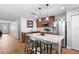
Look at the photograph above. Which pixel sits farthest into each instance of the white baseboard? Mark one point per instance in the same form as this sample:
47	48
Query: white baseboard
68	47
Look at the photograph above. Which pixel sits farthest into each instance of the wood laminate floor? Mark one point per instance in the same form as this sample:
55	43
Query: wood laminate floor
11	45
69	51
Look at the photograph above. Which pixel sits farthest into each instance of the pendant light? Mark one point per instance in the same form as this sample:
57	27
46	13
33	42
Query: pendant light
47	18
39	20
40	14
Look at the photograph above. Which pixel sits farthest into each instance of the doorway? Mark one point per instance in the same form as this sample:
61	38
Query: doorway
5	28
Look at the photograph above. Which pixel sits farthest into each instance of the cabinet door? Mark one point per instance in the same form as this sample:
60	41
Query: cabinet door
75	32
39	24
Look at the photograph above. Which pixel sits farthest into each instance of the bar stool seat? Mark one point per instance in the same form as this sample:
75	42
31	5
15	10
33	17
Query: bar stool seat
28	45
31	46
46	48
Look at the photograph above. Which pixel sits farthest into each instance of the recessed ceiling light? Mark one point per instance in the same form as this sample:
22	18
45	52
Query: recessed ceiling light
62	8
39	8
47	4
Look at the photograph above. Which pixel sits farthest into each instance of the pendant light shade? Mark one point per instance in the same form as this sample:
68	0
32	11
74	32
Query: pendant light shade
47	18
39	20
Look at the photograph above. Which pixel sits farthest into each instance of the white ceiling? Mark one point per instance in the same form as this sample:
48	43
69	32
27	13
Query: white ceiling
16	11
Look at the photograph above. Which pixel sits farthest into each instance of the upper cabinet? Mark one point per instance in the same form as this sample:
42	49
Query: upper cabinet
45	22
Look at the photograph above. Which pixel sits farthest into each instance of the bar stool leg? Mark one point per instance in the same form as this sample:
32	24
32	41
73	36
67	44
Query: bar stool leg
47	48
51	49
44	47
36	47
40	48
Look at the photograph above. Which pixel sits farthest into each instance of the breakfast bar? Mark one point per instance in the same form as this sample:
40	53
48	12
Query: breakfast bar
48	37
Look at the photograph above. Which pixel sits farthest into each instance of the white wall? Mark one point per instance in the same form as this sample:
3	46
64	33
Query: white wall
69	24
24	25
14	29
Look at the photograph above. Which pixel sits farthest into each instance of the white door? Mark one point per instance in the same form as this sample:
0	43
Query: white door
75	32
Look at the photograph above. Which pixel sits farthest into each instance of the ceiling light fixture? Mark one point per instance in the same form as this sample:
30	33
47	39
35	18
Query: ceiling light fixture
39	8
39	20
47	4
47	18
39	13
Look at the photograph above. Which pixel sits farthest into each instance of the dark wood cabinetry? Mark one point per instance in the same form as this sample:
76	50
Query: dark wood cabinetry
23	35
43	21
